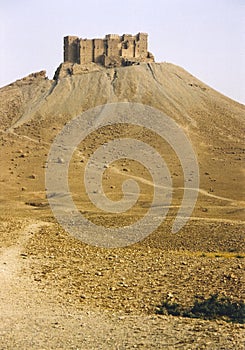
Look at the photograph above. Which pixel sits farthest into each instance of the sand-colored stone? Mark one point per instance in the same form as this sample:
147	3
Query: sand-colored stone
114	50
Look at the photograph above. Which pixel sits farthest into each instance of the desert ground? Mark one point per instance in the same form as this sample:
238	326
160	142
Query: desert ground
57	292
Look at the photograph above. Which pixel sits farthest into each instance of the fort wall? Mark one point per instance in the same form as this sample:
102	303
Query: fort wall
71	48
113	50
85	51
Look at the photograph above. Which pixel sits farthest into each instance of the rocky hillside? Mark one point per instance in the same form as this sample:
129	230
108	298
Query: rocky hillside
37	107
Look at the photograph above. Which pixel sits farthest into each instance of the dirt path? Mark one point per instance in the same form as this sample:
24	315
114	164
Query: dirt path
25	137
202	191
11	263
10	258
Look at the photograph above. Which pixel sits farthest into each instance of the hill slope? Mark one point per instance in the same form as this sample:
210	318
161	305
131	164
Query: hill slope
37	108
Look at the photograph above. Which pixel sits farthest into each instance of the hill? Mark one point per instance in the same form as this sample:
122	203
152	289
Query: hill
205	257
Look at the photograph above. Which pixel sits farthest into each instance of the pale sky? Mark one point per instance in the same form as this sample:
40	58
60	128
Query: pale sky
206	37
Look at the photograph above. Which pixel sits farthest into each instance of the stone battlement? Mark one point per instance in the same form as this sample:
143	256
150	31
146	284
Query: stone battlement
114	50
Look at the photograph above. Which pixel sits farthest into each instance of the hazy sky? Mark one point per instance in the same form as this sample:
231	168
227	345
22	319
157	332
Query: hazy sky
206	37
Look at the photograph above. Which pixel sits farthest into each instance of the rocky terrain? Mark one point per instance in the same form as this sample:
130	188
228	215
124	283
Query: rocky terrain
57	292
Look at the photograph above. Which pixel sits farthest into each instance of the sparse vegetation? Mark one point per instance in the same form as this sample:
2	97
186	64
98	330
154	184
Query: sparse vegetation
211	308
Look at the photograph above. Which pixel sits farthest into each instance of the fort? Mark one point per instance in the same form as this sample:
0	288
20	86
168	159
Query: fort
114	50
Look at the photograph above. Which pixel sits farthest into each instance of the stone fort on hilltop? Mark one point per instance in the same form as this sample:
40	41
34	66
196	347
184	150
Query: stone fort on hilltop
112	51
